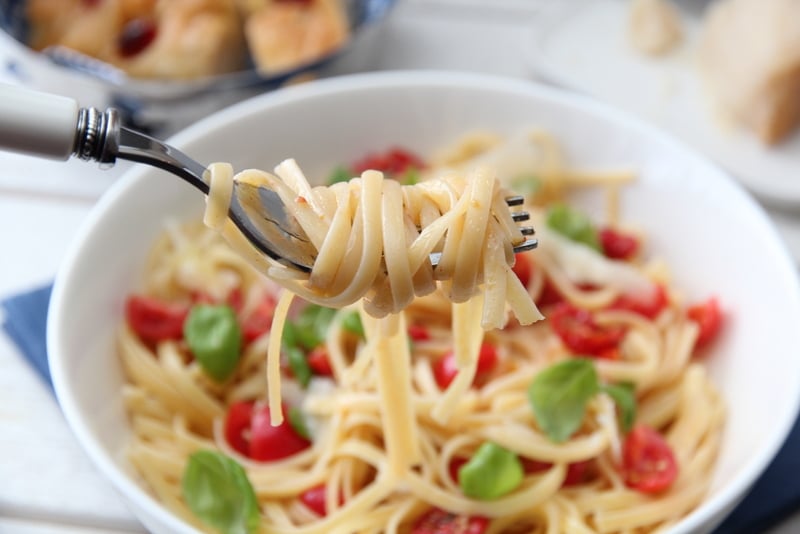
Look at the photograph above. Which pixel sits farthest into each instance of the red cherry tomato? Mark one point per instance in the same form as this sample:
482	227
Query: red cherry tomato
393	161
708	316
314	498
613	354
237	426
454	465
648	307
155	320
648	463
549	296
576	471
417	332
580	333
529	465
618	245
269	443
259	321
445	369
523	268
234	299
319	361
248	430
437	521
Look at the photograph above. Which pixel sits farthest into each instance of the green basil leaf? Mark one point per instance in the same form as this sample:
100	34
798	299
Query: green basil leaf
624	395
289	338
215	339
311	325
492	472
299	365
218	492
409	177
352	323
573	224
558	396
339	174
298	422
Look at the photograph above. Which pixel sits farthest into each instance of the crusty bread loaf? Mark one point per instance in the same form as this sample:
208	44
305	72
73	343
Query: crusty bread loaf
191	39
282	35
750	53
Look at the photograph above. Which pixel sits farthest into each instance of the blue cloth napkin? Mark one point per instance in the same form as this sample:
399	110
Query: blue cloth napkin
773	497
26	325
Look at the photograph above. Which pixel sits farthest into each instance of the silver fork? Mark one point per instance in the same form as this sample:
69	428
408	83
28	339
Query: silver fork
55	127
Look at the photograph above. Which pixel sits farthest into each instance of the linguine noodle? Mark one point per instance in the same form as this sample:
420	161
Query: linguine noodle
385	434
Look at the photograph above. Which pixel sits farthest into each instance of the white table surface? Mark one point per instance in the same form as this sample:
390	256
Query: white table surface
47	484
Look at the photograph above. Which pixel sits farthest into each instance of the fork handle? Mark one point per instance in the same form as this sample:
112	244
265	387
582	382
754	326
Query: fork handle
54	127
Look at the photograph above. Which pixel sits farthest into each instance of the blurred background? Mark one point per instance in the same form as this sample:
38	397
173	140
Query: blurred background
711	73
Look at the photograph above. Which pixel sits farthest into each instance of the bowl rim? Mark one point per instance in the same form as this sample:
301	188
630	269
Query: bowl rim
713	508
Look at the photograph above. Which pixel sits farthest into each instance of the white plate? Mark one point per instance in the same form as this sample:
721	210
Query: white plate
584	47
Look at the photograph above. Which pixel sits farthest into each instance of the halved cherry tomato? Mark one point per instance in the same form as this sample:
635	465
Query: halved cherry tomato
648	307
237	426
576	471
234	299
580	333
455	464
314	498
613	354
248	430
708	316
618	245
549	295
417	332
523	268
319	361
445	369
529	465
648	463
438	521
259	321
155	320
393	161
269	443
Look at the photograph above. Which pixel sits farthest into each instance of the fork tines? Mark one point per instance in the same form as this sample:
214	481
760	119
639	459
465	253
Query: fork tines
519	216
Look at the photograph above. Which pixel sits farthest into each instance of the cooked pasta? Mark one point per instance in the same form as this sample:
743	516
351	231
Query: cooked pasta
402	413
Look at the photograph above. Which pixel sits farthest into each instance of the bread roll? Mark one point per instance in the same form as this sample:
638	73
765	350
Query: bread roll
750	53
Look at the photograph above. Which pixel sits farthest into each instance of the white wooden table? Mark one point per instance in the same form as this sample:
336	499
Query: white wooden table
47	484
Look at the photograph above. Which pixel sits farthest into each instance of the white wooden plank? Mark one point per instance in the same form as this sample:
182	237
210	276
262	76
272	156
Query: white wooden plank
50	475
34	237
22	526
75	178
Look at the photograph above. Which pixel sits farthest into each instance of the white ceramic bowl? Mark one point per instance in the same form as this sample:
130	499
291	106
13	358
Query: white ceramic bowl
713	235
